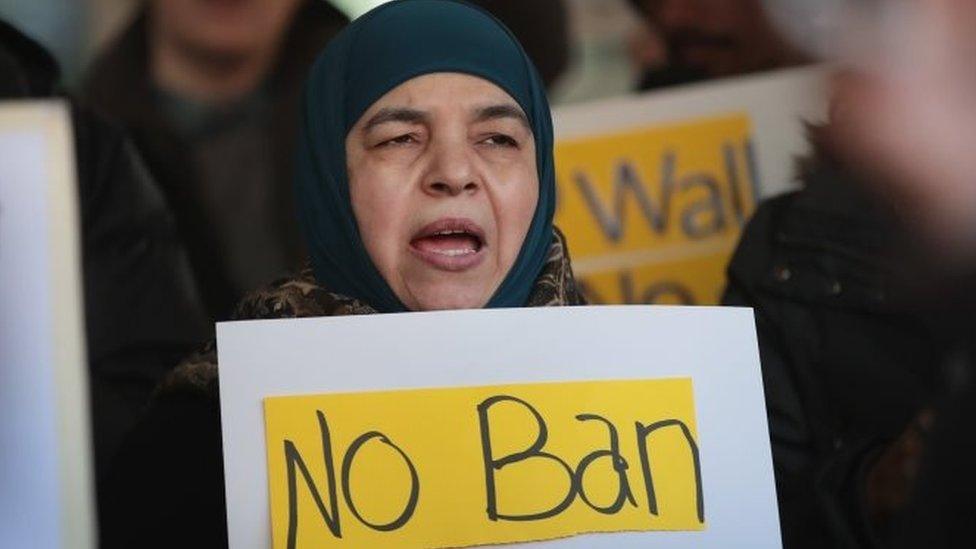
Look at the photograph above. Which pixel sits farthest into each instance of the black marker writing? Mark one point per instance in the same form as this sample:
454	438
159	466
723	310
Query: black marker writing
642	434
619	466
493	464
294	460
533	451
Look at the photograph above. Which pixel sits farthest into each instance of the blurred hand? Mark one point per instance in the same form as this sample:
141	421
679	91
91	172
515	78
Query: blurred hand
891	479
907	116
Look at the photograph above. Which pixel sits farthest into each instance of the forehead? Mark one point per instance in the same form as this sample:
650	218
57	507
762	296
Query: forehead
443	91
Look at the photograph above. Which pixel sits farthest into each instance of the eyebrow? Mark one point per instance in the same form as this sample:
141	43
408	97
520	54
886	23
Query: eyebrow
414	116
502	110
397	114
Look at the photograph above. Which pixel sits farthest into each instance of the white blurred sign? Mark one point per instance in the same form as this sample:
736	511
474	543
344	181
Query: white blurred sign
45	456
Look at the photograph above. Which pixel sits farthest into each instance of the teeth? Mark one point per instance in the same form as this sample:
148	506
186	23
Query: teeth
454	253
449	232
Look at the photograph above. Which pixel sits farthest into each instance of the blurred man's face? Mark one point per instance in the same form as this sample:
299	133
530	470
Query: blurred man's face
223	29
717	37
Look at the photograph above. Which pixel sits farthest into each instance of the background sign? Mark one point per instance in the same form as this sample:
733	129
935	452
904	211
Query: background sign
654	190
335	438
653	214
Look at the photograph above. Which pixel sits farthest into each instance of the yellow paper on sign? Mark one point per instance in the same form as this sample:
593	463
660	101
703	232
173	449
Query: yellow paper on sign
460	467
652	215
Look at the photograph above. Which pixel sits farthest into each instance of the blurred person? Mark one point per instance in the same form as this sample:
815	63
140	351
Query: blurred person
210	91
911	124
694	40
142	312
435	190
852	357
864	293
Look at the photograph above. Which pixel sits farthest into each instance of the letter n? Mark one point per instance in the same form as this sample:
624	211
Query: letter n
294	460
642	434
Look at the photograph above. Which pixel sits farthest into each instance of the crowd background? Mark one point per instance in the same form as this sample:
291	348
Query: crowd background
605	36
861	280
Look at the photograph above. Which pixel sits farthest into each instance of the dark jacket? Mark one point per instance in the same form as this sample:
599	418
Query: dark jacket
120	84
142	313
167	487
942	511
846	364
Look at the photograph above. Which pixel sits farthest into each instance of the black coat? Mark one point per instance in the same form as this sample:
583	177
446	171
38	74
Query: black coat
846	364
943	507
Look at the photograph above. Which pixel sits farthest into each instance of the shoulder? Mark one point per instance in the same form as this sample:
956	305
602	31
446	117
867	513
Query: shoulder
300	296
755	249
826	245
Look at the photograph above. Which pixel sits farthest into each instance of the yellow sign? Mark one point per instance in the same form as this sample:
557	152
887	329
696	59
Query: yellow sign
483	465
653	215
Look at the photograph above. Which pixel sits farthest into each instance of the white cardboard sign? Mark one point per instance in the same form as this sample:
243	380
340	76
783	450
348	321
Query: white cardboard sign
715	347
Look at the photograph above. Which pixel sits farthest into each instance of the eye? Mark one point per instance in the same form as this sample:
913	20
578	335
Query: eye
400	140
501	140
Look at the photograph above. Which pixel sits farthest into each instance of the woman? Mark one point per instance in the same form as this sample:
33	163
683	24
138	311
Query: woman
425	181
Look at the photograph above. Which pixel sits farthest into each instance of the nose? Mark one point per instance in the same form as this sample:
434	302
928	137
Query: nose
452	170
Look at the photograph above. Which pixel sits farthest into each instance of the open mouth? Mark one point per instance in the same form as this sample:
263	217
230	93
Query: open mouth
450	244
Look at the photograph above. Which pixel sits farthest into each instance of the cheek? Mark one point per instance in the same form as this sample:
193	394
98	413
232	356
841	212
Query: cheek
380	210
516	209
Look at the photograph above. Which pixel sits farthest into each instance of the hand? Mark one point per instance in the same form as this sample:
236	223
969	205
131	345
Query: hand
891	478
908	118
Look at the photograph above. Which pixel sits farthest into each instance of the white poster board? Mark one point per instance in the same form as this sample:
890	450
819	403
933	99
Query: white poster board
46	497
715	347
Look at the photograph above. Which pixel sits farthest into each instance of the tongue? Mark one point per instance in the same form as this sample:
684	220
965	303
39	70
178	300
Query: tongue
444	243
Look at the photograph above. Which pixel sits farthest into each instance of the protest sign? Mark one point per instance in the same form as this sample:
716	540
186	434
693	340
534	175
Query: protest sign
566	427
46	497
512	455
654	190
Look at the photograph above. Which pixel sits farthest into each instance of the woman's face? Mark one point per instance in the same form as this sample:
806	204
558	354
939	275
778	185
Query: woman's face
443	183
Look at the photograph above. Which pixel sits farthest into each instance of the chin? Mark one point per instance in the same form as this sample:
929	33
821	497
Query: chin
446	299
230	45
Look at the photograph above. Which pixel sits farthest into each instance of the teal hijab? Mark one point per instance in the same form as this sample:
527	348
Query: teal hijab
377	52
